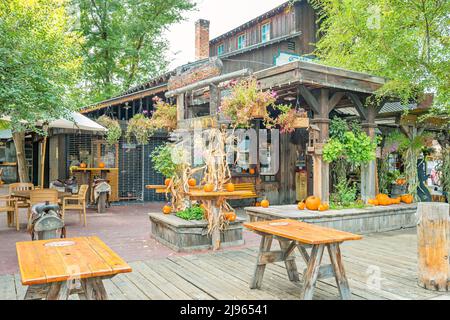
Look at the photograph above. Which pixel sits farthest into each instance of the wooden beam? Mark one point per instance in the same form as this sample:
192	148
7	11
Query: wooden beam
335	99
310	99
362	111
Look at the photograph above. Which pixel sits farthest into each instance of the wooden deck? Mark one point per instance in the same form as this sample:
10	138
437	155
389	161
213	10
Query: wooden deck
381	266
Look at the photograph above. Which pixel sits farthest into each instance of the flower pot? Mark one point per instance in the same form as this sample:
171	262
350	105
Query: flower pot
301	122
258	113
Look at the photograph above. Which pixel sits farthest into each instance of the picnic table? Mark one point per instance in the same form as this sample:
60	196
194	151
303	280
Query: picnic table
214	200
292	234
55	269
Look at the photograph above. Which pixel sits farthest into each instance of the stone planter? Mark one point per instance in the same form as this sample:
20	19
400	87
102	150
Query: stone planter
185	236
360	221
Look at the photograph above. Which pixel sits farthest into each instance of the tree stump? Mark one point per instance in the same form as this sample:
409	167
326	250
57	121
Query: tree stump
433	239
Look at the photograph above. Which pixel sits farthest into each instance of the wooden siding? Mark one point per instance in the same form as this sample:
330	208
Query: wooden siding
280	25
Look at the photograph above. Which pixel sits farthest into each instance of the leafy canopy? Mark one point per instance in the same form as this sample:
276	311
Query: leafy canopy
125	41
405	41
39	61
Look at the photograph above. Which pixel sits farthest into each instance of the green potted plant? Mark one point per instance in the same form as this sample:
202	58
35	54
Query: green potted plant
247	102
114	129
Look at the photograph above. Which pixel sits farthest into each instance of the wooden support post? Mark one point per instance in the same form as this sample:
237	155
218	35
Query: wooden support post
339	273
265	245
215	236
214	99
94	289
180	107
312	272
291	267
433	239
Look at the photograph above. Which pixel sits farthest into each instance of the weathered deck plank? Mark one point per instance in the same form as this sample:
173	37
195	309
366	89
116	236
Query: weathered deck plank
389	259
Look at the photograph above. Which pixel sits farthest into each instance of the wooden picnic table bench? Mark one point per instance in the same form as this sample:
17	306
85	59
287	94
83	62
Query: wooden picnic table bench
54	269
292	234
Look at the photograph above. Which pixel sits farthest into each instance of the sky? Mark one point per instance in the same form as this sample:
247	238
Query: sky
223	15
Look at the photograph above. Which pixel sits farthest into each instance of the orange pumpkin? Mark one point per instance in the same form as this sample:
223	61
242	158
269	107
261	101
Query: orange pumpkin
231	216
382	196
230	187
258	204
83	165
407	198
323	207
252	171
313	203
192	182
397	200
384	201
301	205
167	210
167	182
265	203
101	165
373	202
208	187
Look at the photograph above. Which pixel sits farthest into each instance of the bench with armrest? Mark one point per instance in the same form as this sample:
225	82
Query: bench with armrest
250	187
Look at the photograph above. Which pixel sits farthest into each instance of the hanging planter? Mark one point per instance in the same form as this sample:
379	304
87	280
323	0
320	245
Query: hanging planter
114	129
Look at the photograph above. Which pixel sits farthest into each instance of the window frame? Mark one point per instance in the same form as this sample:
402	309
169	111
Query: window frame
219	52
242	35
268	35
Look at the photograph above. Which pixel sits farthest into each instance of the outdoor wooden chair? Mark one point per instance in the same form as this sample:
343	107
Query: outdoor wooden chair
41	196
9	205
21	203
250	187
77	202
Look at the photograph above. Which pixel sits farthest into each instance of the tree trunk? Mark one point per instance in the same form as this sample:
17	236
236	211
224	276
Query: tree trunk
19	141
433	239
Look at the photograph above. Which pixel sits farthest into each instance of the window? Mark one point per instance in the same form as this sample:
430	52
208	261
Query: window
220	49
265	32
242	39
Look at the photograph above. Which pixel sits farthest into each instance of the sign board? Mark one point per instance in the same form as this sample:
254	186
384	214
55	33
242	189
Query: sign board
199	123
286	57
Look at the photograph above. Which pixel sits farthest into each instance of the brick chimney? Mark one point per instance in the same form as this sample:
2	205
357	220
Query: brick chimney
201	39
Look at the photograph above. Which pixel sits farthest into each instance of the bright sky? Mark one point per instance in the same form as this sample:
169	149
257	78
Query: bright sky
223	15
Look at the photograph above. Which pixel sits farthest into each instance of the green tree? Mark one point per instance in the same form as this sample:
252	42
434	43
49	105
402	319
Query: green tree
406	41
125	44
39	63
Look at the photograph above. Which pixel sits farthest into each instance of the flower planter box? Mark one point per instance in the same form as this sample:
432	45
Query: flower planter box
300	123
186	236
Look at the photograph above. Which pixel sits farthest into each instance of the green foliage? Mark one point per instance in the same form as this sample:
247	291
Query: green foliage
344	195
357	148
114	129
410	150
444	169
141	128
163	161
404	41
39	62
192	213
125	43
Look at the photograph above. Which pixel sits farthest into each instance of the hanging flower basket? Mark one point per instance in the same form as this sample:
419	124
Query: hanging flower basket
301	122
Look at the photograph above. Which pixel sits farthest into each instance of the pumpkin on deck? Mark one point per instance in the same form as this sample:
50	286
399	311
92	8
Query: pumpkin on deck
101	165
192	182
230	216
301	205
407	198
313	203
167	182
373	202
265	203
167	210
83	165
208	188
324	207
258	204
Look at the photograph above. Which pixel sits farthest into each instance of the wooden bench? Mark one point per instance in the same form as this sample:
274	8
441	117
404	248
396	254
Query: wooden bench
292	234
250	187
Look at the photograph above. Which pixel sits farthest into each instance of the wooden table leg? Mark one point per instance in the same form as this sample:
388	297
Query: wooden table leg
59	291
265	245
339	273
312	272
291	267
94	289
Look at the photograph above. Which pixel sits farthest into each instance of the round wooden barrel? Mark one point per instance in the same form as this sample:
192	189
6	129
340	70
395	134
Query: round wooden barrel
433	239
